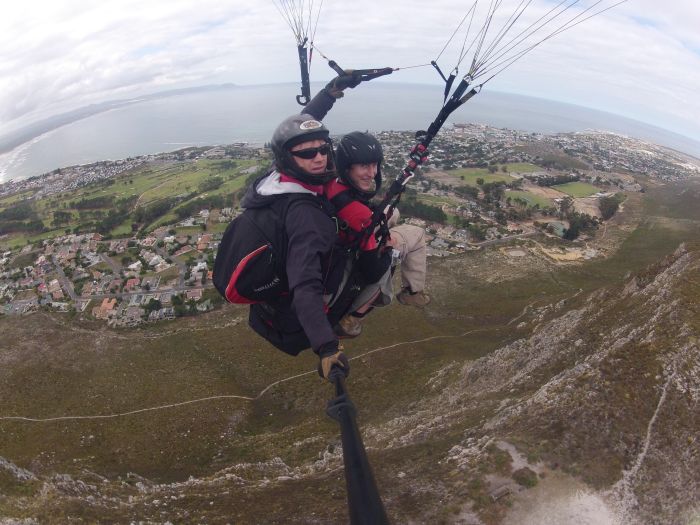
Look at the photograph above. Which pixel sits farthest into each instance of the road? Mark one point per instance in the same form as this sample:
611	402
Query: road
65	282
110	262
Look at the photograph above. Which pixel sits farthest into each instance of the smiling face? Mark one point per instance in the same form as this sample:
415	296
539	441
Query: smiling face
317	164
362	176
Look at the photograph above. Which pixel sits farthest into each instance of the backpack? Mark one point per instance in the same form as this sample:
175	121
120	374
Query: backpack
250	268
250	262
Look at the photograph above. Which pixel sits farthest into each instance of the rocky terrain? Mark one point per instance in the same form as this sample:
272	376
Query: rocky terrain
609	392
538	393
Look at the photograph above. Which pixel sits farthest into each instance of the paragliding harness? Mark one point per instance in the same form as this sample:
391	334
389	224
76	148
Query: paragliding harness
250	268
276	322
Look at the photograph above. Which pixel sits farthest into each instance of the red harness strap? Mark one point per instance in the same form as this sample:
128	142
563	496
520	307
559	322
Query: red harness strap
353	213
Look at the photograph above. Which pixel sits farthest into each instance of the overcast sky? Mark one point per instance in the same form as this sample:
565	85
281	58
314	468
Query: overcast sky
641	59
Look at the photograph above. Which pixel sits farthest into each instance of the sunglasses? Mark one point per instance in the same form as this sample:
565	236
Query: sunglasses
310	153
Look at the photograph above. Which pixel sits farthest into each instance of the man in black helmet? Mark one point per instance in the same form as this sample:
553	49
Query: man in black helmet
359	158
314	267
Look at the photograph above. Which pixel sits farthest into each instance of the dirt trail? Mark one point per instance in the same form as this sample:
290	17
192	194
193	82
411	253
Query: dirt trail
561	500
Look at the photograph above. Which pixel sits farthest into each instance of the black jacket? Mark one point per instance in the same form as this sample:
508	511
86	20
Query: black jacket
320	105
314	264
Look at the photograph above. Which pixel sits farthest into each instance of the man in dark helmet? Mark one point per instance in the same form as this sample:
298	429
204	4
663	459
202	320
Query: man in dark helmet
350	198
318	269
303	162
359	158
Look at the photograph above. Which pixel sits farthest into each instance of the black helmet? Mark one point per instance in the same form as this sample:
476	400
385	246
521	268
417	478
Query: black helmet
295	130
359	148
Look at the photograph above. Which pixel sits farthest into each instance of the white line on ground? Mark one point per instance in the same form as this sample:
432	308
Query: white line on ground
213	398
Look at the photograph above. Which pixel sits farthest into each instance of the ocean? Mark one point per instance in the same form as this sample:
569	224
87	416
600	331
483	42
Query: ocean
228	114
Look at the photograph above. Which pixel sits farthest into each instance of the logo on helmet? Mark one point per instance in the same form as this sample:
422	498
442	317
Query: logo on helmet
310	124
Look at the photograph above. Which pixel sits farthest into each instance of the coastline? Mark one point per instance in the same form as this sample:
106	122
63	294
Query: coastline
216	115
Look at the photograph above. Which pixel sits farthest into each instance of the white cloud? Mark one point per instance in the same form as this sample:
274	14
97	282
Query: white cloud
641	59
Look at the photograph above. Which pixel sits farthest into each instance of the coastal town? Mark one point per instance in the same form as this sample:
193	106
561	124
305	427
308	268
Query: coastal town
481	186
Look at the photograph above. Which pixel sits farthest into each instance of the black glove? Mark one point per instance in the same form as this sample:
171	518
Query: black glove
331	356
336	86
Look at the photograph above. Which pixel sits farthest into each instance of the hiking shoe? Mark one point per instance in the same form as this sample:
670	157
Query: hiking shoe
409	298
349	326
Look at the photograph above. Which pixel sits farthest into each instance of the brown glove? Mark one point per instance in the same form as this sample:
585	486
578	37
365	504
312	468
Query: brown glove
329	360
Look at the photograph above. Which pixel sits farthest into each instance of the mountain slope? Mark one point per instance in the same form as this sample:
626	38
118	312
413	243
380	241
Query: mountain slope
609	391
602	388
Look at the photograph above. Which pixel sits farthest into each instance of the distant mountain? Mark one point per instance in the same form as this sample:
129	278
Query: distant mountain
18	137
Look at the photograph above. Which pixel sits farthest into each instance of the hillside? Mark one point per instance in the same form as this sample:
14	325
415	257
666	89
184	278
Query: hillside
580	382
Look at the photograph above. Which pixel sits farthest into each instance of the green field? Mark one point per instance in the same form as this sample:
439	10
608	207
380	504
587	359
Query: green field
469	176
17	240
169	274
219	227
531	198
435	200
233	183
11	199
188	180
148	186
577	189
522	167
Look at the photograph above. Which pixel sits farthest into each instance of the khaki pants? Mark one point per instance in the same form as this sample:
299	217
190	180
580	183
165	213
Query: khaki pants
410	243
409	240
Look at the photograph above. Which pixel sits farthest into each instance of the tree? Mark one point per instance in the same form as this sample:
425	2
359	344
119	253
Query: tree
153	306
579	223
608	206
493	191
210	184
478	231
566	206
61	217
180	310
467	191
